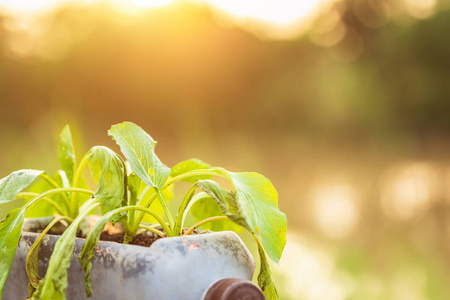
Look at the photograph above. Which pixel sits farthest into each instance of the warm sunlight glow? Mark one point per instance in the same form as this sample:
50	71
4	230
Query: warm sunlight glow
408	189
283	19
150	3
278	12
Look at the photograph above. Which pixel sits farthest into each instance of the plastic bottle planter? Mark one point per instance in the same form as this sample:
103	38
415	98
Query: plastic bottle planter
172	268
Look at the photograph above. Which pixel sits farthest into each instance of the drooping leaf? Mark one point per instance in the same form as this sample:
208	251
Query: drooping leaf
66	153
265	280
139	149
255	203
14	183
207	207
108	172
53	286
188	166
227	202
32	262
88	250
10	229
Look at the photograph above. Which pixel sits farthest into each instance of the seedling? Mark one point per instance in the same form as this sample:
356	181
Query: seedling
126	192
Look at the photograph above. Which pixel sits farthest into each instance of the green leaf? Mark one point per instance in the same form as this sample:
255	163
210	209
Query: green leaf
14	183
66	153
207	207
188	166
255	206
53	286
265	280
10	229
108	171
139	149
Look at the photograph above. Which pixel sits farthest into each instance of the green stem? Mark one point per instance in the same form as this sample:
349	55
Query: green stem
179	222
145	210
211	219
55	185
57	191
49	180
166	208
53	203
154	230
142	195
76	180
210	172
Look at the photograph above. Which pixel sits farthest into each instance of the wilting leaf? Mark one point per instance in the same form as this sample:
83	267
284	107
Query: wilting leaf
32	262
10	229
88	250
227	202
53	286
108	172
207	207
265	280
188	166
14	183
139	149
66	153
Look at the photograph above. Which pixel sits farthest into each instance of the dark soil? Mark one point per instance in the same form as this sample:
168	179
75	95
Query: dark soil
145	239
115	234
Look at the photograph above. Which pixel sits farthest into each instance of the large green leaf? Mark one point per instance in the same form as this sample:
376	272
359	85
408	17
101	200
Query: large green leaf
108	171
53	286
10	229
66	153
139	149
14	183
189	165
254	205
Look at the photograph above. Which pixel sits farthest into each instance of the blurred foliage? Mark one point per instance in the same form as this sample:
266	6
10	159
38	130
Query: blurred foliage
363	91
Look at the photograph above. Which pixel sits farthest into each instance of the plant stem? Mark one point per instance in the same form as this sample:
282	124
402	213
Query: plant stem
166	208
76	179
57	191
154	230
210	172
53	203
148	211
211	219
55	185
177	230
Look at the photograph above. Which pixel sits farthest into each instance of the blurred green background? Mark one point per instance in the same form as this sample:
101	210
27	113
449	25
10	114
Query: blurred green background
344	105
